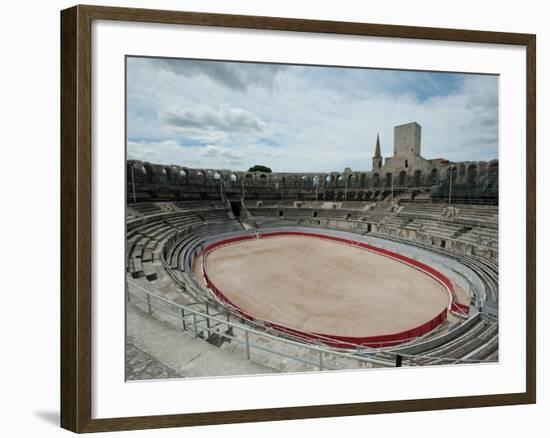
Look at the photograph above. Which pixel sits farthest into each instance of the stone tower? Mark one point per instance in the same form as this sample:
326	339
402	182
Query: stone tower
406	141
377	159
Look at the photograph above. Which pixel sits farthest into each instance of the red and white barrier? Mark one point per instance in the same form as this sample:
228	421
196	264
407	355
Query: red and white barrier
336	340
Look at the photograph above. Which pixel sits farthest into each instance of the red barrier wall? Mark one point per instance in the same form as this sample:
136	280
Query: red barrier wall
345	341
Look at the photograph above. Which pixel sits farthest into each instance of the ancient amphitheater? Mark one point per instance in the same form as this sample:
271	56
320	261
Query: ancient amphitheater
242	273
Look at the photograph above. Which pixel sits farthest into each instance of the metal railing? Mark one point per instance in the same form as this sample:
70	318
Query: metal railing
192	288
207	325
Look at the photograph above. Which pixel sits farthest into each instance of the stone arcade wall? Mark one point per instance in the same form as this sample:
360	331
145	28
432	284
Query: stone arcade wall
470	181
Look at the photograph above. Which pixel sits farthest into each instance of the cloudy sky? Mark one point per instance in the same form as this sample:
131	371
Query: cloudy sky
231	115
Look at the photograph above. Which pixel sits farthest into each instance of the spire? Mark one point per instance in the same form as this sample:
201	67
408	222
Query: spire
377	152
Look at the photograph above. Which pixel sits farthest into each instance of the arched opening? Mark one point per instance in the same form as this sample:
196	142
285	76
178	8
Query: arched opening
233	178
461	172
199	176
315	181
167	172
376	180
149	172
388	179
183	173
328	180
248	179
217	176
432	179
493	175
453	170
236	208
472	174
314	214
417	178
362	180
263	179
402	178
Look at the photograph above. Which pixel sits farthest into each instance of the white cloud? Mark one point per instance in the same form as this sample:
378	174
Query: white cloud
208	125
314	119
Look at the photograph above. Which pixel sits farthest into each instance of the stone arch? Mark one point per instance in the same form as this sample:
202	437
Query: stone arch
376	180
472	174
199	176
493	174
402	178
433	177
149	172
387	181
167	172
248	179
263	178
417	178
452	178
461	172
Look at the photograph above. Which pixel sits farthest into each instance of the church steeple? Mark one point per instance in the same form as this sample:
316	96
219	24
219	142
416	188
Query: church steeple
377	152
377	158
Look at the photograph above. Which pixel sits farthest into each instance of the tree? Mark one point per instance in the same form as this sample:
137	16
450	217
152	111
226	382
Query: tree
259	168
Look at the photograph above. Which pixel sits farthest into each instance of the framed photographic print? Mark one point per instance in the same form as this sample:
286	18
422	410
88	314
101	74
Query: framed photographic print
269	218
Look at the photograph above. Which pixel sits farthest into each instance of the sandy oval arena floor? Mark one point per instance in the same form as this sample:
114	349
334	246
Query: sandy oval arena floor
321	286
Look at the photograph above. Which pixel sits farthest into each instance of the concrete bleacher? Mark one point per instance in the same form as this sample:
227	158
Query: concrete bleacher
268	222
354	205
423	211
147	208
146	235
472	341
198	205
439	229
464	228
163	240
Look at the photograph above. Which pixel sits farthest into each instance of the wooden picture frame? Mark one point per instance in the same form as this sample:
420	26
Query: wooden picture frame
76	217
